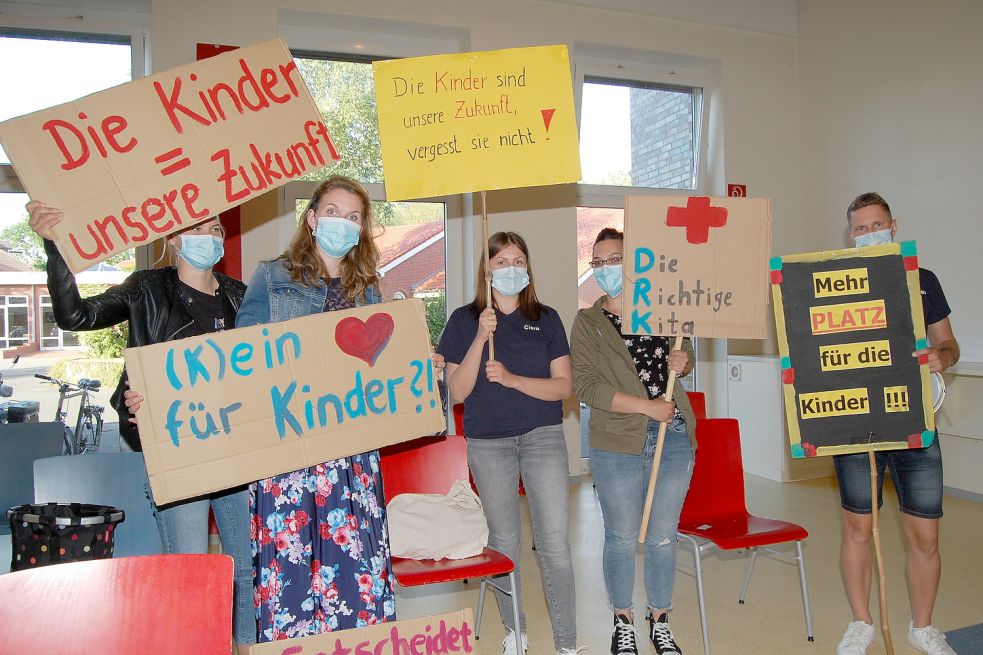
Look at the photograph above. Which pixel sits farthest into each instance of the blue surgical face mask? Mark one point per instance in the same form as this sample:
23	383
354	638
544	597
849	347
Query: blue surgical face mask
511	280
336	236
609	278
202	251
878	238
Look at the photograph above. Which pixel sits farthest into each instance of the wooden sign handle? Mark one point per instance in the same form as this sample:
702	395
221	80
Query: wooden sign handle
657	457
879	556
488	274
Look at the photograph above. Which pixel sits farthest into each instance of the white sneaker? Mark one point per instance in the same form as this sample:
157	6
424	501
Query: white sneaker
571	651
508	644
857	639
929	640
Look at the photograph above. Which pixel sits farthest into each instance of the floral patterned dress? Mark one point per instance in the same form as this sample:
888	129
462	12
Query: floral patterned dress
320	546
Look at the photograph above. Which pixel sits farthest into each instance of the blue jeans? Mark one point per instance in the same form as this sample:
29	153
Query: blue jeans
916	472
184	529
540	456
622	481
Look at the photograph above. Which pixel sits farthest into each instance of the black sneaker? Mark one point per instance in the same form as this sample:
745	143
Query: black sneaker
623	640
661	635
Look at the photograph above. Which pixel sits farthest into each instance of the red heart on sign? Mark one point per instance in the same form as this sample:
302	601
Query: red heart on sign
364	340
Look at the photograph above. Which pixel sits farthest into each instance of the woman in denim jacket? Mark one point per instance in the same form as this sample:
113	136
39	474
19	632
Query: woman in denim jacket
319	534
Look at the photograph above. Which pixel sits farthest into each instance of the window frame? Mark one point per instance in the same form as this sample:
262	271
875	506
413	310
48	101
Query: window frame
5	311
91	29
673	78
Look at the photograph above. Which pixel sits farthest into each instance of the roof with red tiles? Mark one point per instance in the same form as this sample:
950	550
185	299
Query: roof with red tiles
400	239
9	262
434	283
590	221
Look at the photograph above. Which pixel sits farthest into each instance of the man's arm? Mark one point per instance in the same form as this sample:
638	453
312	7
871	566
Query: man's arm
944	351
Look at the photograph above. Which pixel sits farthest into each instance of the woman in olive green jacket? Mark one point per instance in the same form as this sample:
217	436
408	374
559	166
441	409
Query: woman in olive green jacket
622	378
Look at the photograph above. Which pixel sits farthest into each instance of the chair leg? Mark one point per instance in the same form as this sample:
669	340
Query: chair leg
698	574
516	620
747	577
805	590
481	606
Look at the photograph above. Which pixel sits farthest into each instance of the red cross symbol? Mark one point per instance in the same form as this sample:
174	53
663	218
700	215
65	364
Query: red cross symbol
697	217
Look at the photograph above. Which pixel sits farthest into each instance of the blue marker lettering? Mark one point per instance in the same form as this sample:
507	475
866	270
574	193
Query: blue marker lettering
357	394
639	322
294	339
391	385
282	413
241	354
224	416
195	367
220	356
172	423
641	293
171	373
373	389
640	266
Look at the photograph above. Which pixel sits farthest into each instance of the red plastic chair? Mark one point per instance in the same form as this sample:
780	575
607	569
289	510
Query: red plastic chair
430	465
699	403
715	514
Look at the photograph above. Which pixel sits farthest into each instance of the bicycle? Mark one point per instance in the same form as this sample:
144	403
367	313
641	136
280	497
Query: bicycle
87	434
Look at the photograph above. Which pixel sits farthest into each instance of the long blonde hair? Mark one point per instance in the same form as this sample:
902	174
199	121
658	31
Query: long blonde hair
358	267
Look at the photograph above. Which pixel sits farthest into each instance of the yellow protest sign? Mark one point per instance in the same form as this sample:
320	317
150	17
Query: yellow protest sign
476	121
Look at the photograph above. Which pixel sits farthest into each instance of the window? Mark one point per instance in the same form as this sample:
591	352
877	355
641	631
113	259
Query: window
639	134
13	321
411	235
344	91
52	336
63	66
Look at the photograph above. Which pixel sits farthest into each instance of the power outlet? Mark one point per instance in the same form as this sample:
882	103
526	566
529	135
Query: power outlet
734	373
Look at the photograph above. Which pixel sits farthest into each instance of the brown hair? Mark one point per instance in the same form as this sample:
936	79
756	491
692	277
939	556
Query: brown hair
358	267
529	304
866	200
609	234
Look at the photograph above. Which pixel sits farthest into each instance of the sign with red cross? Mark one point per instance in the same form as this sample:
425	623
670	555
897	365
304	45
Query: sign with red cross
696	266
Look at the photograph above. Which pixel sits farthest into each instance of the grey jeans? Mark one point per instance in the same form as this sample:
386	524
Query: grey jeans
540	456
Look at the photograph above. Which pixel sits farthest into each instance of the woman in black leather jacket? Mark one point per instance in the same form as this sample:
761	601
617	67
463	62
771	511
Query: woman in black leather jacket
174	302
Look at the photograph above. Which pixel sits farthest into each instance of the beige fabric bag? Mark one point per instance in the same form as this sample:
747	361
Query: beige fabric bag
435	526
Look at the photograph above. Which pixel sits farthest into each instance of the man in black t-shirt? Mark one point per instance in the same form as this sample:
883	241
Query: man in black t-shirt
917	475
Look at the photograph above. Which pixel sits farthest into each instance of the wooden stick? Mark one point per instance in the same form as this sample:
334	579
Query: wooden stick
488	275
657	457
881	582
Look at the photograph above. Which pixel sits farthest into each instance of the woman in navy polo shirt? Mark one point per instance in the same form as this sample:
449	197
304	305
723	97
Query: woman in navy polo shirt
512	419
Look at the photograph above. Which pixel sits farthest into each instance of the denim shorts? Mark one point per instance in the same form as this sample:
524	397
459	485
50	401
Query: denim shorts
916	473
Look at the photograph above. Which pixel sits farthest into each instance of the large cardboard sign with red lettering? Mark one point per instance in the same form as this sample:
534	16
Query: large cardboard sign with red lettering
696	266
848	322
136	162
232	407
444	634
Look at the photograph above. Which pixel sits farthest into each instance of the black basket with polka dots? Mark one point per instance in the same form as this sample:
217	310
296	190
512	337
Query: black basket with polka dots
53	533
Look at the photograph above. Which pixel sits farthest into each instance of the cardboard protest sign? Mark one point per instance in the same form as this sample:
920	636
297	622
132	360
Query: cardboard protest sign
136	162
443	634
696	266
476	121
847	322
232	407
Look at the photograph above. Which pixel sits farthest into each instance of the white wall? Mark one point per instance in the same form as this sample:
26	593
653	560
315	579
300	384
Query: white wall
891	101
